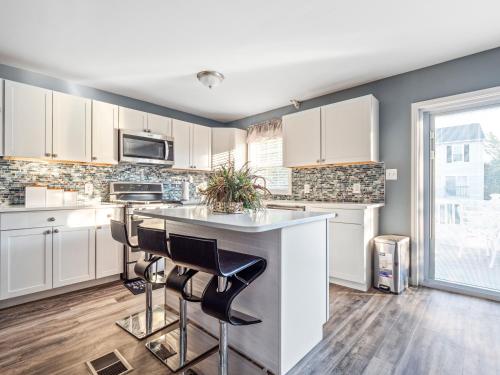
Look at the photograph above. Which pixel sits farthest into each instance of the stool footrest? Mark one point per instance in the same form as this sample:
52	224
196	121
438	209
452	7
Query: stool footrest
238	318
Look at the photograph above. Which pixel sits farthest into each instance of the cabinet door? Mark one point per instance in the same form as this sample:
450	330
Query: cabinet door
181	132
1	118
108	252
28	121
25	261
159	124
302	138
347	252
131	119
104	132
74	255
72	127
350	130
201	154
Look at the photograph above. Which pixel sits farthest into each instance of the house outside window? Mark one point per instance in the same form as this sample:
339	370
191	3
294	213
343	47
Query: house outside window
457	153
265	156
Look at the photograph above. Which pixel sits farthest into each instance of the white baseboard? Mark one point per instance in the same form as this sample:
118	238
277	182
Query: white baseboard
350	284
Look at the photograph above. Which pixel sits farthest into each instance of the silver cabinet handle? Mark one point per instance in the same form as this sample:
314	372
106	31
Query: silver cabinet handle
109	216
54	155
318	161
56	231
334	214
98	227
48	154
46	232
93	158
51	219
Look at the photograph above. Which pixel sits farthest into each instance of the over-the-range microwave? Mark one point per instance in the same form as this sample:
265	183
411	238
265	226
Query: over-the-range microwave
146	148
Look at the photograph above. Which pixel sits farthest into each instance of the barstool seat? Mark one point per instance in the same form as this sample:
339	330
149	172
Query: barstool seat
154	318
232	271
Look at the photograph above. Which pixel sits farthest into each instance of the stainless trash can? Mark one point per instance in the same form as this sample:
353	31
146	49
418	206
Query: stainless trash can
391	270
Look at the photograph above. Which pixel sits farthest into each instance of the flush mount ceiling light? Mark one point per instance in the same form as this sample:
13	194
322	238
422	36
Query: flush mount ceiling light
210	78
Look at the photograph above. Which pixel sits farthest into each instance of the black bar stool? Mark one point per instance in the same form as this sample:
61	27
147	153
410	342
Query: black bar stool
174	349
154	318
232	271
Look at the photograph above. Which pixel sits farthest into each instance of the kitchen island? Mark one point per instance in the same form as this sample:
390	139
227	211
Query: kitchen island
291	296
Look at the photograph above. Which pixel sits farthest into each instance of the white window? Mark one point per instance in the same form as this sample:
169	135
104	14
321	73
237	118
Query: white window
457	153
265	156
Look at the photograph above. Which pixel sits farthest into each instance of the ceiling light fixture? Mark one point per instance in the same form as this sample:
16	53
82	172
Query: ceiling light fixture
295	103
210	78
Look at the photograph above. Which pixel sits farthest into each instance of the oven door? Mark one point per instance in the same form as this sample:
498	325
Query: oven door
146	148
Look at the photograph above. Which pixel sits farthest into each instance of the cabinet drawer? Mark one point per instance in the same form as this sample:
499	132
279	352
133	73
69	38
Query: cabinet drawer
342	215
37	219
104	215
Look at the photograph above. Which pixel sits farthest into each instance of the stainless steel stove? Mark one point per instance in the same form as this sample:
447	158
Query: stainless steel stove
138	196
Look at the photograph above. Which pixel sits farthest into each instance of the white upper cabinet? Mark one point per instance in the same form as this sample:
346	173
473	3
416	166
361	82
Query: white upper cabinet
229	145
72	127
28	121
201	155
132	119
350	131
181	131
192	145
343	132
159	124
302	138
104	132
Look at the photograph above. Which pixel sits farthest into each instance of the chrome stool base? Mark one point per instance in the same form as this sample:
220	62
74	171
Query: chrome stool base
179	357
142	325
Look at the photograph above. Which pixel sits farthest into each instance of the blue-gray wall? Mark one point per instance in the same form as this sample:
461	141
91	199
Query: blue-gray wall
396	94
51	83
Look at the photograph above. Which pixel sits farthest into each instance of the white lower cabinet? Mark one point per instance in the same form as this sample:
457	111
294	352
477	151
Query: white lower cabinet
351	232
73	255
25	261
108	252
347	253
77	247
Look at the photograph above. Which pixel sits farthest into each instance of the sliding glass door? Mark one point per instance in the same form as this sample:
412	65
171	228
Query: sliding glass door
464	200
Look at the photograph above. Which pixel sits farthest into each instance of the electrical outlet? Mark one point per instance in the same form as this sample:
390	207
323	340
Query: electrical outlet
356	188
307	188
89	188
391	174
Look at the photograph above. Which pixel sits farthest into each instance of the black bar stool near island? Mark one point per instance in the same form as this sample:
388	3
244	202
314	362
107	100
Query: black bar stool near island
232	273
175	349
154	318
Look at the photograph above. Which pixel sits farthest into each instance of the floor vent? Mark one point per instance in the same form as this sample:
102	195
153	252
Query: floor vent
109	364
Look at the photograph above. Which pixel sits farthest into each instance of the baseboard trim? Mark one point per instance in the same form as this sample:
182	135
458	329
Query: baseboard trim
56	291
350	284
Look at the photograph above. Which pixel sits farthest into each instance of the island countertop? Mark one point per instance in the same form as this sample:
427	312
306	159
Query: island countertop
249	222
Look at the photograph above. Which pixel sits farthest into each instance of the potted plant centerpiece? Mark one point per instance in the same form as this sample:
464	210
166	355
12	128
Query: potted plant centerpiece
231	190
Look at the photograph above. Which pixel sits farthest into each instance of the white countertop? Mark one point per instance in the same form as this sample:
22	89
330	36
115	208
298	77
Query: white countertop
322	204
249	222
78	206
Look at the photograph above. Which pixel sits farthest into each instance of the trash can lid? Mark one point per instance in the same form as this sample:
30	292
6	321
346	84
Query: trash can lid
392	238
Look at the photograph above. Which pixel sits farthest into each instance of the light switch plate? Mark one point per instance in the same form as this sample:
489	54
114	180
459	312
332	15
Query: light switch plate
307	188
391	174
356	188
89	188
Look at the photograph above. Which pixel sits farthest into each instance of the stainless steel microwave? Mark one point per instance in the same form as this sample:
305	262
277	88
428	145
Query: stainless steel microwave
146	148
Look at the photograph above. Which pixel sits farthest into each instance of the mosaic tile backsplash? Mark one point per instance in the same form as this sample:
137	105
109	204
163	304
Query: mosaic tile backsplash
16	174
332	183
335	183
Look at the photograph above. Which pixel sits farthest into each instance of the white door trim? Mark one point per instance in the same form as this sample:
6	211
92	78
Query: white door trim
454	102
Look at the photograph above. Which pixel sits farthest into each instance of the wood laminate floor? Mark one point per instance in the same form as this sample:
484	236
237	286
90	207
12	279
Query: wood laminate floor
420	332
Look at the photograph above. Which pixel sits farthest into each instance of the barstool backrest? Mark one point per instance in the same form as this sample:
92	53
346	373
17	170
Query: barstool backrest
196	253
119	233
153	241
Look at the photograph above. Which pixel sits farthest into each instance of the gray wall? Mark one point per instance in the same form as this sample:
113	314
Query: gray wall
396	94
36	79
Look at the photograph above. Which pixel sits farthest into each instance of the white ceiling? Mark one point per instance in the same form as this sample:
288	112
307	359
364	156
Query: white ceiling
269	50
